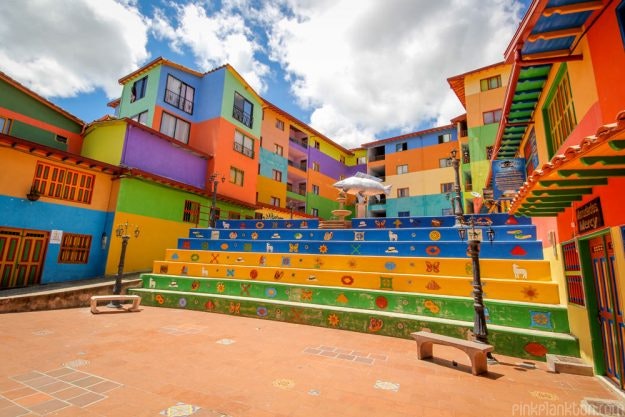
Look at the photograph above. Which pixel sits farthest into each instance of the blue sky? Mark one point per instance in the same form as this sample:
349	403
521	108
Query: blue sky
355	70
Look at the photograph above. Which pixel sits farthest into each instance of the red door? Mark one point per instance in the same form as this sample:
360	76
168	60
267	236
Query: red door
610	311
22	253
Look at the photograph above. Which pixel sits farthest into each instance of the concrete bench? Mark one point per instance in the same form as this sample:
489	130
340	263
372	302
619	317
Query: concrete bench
476	351
136	300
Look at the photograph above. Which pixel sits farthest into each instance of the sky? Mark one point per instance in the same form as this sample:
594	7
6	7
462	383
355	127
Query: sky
355	70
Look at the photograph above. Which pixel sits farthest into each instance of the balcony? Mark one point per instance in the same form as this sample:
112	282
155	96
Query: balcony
239	114
301	142
300	166
244	150
178	101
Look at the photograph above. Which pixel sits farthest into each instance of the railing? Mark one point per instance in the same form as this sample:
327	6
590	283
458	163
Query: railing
378	157
244	150
178	101
301	142
301	167
240	115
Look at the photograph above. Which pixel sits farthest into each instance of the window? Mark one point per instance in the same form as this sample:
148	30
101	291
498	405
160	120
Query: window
234	215
361	160
243	144
279	124
315	166
179	94
243	110
403	214
279	150
447	187
191	213
402	169
141	117
61	139
444	162
317	144
175	127
493	116
560	120
65	184
403	192
276	175
5	125
274	201
314	212
401	147
342	159
236	176
74	249
490	83
444	138
315	189
573	274
137	91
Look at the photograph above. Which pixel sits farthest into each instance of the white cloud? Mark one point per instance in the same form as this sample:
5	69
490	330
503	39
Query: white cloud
365	66
61	48
214	39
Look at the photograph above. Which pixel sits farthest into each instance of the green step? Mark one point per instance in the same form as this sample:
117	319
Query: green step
522	343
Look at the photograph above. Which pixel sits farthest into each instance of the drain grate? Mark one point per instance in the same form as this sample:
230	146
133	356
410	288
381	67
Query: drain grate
603	408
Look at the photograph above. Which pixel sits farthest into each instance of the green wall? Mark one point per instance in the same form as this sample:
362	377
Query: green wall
231	85
128	109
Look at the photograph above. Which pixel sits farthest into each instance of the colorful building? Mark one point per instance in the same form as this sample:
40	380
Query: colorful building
563	121
417	166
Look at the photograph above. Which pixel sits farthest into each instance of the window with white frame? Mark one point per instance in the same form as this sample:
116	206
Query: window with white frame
243	144
402	169
276	175
279	150
274	201
179	94
175	127
444	138
137	91
5	125
490	83
315	166
493	116
444	162
315	189
314	212
403	192
236	176
279	124
141	117
403	146
447	187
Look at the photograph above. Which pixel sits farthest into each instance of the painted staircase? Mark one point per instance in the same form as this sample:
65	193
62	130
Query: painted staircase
387	276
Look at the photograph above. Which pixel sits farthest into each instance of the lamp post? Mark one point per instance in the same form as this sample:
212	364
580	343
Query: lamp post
480	331
457	199
291	206
214	178
122	232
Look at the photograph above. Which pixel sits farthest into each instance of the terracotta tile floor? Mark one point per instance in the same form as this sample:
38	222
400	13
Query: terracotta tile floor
210	365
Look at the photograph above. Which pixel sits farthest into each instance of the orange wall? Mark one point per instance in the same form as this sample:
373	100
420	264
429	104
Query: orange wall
326	190
608	59
419	159
271	134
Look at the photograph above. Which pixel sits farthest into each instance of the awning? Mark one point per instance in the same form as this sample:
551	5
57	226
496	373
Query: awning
571	175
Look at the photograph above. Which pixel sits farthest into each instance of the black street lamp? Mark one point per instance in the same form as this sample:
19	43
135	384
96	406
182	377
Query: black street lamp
480	331
457	199
291	205
122	232
214	178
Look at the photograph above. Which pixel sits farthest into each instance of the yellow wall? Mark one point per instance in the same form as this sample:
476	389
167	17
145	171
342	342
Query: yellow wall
268	188
422	182
105	142
478	101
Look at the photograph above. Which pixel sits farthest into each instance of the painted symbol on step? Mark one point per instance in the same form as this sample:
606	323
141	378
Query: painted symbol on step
159	299
262	260
275	236
182	302
391	249
307	295
541	319
184	270
230	272
278	275
186	244
242	225
235	308
347	280
221	287
433	250
260	225
468	268
214	258
436	222
359	236
294	247
529	292
311	278
204	272
519	273
247	247
397	223
375	325
225	225
289	225
512	220
297	314
210	305
518	251
380	224
164	269
175	256
392	236
245	289
535	349
152	283
342	298
362	223
386	283
262	311
271	292
298	236
268	247
433	285
286	261
334	320
204	245
253	274
328	235
274	225
195	257
435	235
432	267
233	235
195	285
303	225
432	306
381	302
390	266
254	235
355	249
323	249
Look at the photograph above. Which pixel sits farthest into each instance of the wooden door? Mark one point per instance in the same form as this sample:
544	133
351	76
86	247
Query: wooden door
22	253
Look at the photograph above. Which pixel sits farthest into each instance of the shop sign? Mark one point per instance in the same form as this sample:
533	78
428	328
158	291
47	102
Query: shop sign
589	216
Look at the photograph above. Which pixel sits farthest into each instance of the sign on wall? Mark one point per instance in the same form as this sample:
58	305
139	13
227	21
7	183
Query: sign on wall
508	177
589	216
56	236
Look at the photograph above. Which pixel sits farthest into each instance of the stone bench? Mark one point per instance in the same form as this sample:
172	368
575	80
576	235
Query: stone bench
476	351
136	300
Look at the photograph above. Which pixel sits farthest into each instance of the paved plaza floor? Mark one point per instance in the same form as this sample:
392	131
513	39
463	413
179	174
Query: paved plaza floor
162	362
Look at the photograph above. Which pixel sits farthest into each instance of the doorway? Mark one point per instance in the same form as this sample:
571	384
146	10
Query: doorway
22	253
